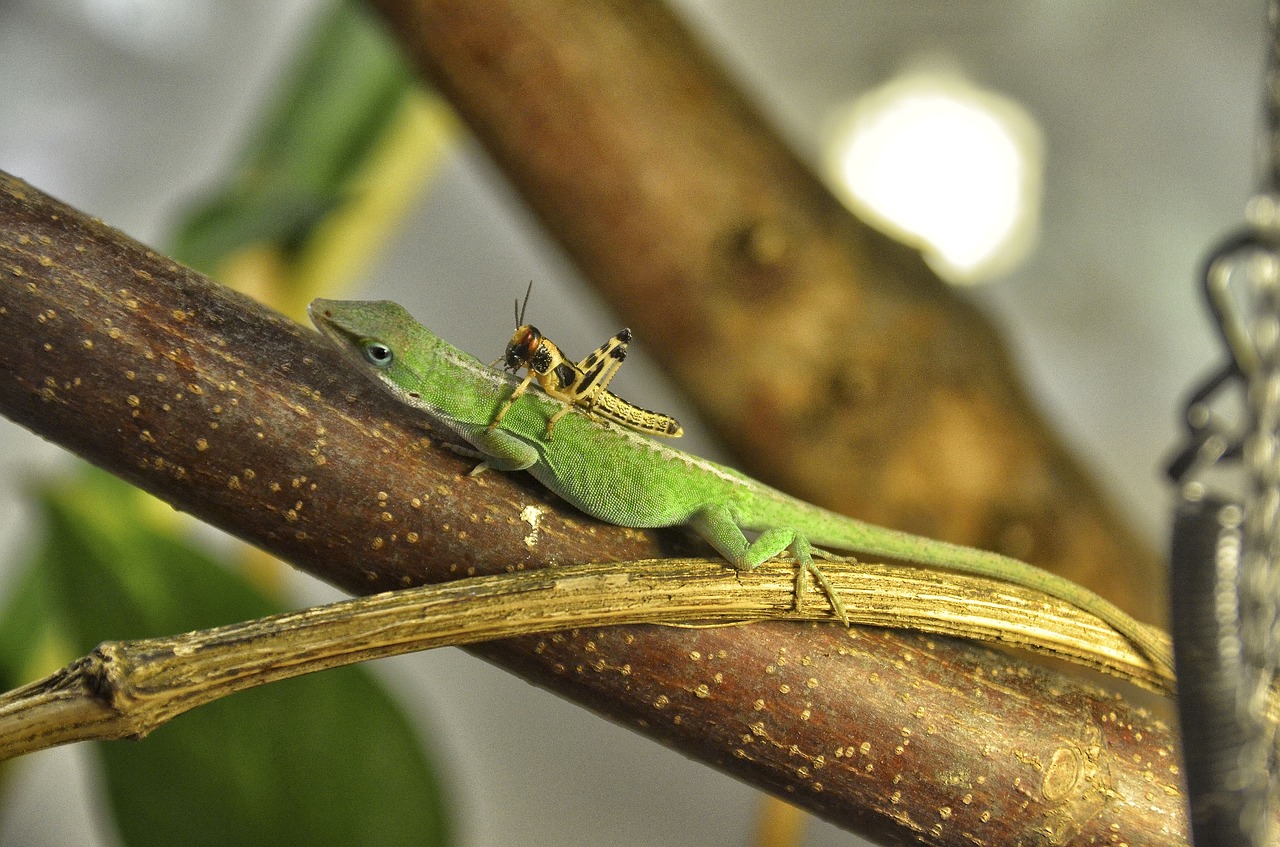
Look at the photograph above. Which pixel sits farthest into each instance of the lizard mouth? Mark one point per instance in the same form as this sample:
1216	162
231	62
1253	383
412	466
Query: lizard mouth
328	320
321	315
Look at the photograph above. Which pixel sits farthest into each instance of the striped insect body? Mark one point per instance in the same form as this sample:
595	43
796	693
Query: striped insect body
584	384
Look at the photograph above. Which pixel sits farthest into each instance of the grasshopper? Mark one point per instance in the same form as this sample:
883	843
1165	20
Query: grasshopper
585	384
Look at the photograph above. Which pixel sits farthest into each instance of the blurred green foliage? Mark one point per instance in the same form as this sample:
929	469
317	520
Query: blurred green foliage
346	88
322	759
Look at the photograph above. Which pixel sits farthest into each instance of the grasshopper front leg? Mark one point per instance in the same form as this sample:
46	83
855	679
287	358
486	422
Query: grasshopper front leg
506	406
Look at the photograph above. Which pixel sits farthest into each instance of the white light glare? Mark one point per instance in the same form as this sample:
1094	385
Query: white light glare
937	162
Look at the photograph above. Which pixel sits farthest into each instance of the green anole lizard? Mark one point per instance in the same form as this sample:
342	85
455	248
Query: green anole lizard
626	479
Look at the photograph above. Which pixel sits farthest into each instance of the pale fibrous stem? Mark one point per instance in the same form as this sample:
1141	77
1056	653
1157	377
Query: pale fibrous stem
127	689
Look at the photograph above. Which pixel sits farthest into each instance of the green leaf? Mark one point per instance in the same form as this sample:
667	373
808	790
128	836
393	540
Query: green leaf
24	627
344	91
323	759
278	214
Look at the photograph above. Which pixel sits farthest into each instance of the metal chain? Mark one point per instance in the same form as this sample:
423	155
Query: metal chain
1226	576
1260	563
1259	577
1259	573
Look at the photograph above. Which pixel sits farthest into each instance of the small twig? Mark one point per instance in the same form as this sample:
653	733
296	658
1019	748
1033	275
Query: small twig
125	689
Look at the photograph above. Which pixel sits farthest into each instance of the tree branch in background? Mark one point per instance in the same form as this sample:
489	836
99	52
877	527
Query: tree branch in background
828	356
232	413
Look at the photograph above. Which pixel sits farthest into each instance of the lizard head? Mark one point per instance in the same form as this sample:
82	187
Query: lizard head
395	349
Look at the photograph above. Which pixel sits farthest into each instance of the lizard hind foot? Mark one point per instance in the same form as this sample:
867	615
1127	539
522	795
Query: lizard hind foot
827	588
804	554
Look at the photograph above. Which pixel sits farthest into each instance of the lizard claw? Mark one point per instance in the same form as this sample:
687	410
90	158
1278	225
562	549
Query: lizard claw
832	597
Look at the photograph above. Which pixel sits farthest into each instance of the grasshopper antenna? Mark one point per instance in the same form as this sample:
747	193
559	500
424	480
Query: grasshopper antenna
520	308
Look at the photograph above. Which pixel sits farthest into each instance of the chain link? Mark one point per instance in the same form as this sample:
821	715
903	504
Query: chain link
1259	574
1260	562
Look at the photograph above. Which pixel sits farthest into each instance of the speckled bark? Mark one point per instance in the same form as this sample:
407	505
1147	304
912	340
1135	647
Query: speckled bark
234	414
859	382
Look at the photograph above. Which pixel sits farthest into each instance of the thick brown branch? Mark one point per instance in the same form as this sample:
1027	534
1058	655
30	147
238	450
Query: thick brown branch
232	413
859	381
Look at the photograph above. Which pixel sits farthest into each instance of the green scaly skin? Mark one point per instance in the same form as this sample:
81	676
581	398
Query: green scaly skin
623	478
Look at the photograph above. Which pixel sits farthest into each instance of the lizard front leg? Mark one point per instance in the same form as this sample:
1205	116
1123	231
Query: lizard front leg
717	525
497	449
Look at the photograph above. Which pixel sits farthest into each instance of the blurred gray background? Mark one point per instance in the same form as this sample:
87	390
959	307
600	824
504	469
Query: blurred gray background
128	109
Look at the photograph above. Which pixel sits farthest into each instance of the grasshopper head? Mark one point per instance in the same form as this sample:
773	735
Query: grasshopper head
524	348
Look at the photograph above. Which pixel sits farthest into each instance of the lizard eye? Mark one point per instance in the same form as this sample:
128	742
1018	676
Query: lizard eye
378	354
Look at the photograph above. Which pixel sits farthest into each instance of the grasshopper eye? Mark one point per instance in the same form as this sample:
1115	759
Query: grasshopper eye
378	354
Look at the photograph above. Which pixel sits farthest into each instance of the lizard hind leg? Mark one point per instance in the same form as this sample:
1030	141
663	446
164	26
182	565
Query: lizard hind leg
719	527
777	540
